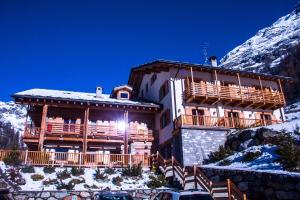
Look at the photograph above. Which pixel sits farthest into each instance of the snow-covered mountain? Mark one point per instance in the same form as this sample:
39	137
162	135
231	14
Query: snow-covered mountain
13	114
265	50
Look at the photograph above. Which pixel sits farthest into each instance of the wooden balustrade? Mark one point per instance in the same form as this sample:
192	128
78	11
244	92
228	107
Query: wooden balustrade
233	94
94	131
89	159
221	122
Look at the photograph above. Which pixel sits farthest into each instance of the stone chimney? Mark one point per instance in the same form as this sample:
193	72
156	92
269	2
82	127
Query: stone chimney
98	91
213	61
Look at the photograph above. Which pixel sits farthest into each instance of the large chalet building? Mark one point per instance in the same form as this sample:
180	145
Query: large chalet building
181	109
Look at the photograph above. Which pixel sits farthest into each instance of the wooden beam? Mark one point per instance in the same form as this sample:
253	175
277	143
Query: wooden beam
281	90
262	90
126	132
43	127
240	87
193	84
85	130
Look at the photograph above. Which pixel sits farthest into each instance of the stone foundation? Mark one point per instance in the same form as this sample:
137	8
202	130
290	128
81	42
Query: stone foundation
259	185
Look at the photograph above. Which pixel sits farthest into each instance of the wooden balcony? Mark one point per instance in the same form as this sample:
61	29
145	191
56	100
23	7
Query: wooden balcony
233	95
95	133
89	159
192	121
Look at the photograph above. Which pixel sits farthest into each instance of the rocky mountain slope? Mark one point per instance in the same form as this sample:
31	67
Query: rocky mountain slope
268	47
12	119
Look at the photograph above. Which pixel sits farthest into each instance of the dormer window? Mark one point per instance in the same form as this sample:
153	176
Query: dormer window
124	95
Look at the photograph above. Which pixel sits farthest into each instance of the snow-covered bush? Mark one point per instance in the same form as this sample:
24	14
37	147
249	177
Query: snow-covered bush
134	170
76	171
110	170
251	155
117	180
13	158
222	153
37	177
99	175
28	169
63	174
65	186
14	174
49	169
77	181
50	182
156	181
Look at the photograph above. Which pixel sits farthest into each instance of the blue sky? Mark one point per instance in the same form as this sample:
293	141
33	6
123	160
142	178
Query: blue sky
78	45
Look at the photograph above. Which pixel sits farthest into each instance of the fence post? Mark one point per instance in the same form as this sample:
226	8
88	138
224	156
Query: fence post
244	196
210	189
173	170
157	159
26	156
130	160
195	176
228	187
80	159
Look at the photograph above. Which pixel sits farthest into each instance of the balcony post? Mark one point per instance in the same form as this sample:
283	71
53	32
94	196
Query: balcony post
282	93
43	127
193	84
85	129
126	132
240	87
261	88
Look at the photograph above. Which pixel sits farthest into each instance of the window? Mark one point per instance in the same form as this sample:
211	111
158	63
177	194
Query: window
163	91
165	119
153	78
124	95
147	87
69	125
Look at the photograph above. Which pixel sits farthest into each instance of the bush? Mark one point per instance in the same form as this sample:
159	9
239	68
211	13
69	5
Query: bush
221	154
65	186
13	174
135	170
224	162
156	182
13	158
37	177
289	153
117	180
49	169
86	186
50	182
75	171
250	156
109	170
28	169
99	175
77	181
63	174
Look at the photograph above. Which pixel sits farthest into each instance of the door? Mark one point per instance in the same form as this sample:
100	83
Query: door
266	119
198	117
233	119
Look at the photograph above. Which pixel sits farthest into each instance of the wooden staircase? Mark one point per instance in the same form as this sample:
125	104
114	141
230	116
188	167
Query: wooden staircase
194	178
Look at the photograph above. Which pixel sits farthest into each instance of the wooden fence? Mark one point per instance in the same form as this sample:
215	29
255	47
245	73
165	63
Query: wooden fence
90	159
193	175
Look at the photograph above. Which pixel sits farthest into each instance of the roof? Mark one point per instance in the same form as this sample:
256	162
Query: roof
163	65
79	96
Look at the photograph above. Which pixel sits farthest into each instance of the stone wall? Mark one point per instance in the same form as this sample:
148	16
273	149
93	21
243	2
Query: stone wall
55	195
198	143
259	185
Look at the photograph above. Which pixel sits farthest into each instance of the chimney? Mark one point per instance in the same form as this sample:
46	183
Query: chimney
98	91
213	61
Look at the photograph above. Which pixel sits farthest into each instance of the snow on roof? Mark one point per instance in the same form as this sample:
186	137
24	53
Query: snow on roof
79	96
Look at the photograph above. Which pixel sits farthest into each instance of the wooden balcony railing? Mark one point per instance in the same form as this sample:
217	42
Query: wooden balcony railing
89	159
221	122
93	131
244	96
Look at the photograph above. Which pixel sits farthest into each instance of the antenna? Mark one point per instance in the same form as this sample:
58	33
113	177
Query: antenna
204	48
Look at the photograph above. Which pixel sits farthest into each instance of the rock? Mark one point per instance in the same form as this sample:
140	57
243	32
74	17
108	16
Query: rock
84	194
237	178
45	194
288	186
147	191
215	178
298	186
51	198
246	135
235	145
60	195
243	186
20	197
21	181
264	133
287	195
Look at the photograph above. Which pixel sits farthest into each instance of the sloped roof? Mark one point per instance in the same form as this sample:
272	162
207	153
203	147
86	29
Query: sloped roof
79	96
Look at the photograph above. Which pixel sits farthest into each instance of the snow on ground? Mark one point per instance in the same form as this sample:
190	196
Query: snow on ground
128	183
